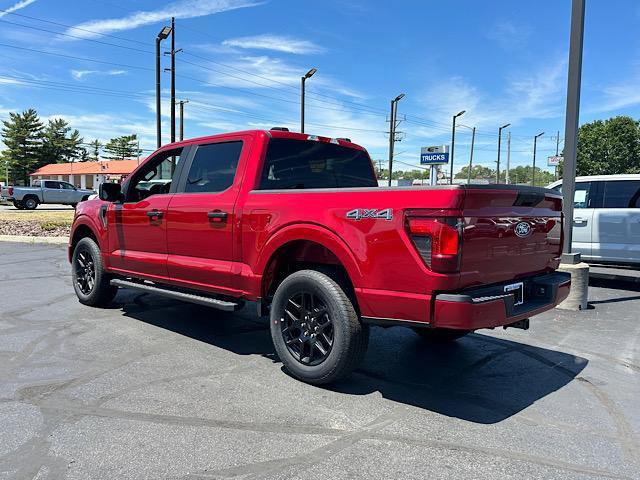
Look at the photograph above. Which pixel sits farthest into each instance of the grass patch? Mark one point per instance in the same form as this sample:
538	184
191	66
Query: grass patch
42	217
50	226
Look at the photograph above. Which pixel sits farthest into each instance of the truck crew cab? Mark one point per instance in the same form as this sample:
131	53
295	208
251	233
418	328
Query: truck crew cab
298	224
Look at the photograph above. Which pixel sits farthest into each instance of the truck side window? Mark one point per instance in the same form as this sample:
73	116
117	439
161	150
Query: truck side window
622	194
155	177
581	196
299	164
52	184
213	167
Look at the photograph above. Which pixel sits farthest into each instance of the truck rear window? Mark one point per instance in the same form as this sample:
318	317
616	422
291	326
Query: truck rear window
292	164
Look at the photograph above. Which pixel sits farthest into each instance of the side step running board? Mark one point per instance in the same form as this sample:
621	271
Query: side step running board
186	297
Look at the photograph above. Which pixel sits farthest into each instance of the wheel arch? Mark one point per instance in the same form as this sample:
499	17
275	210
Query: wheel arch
307	247
83	228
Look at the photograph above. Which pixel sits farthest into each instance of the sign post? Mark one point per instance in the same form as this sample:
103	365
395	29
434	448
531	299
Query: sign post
434	156
554	161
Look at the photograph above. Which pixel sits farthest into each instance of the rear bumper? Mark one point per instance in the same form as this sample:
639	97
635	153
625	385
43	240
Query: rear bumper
489	307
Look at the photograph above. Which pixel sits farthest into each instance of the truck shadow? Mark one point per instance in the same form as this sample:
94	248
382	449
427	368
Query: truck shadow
479	378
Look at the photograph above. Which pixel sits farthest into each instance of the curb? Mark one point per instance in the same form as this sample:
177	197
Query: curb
616	277
30	239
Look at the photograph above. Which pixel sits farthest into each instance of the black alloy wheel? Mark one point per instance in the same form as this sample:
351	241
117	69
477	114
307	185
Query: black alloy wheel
307	329
85	270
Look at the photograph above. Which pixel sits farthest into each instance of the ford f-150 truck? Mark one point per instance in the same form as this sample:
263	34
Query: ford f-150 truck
45	191
298	224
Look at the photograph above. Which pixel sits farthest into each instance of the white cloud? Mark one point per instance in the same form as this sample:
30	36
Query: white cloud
276	72
80	74
178	9
278	43
509	35
529	95
17	6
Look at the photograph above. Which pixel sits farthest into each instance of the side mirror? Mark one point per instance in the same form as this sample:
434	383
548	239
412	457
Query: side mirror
110	192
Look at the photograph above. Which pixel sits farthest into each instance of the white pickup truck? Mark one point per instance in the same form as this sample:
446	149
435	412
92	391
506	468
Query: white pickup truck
45	191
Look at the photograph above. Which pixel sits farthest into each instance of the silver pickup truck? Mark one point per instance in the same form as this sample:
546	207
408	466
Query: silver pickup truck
45	191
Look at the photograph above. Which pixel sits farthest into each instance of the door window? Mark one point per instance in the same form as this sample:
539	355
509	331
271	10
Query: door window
155	177
67	186
51	184
622	194
213	167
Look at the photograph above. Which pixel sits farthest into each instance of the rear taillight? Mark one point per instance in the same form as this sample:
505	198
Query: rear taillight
438	241
10	191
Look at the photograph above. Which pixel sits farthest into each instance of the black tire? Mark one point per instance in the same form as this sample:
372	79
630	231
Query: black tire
441	335
90	281
18	205
30	203
331	316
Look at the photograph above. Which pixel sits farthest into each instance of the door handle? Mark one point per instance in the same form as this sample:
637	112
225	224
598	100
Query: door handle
217	216
154	214
579	221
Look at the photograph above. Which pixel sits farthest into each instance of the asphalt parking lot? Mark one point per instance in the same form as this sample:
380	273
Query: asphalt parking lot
154	388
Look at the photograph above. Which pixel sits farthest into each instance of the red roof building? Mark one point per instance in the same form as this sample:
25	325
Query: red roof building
87	174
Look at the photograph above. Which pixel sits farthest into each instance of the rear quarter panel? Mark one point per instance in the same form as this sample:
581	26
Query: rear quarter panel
378	252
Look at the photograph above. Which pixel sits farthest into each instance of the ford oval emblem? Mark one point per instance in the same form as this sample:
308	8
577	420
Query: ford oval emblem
523	229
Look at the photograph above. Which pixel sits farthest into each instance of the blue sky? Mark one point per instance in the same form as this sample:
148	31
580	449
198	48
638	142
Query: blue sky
502	61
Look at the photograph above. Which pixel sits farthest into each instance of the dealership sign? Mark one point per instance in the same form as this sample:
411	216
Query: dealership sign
437	155
554	161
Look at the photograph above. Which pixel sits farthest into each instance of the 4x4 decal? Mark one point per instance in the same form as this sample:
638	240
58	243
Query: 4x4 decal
360	213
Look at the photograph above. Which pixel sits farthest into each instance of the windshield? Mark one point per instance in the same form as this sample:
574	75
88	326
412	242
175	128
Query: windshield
311	164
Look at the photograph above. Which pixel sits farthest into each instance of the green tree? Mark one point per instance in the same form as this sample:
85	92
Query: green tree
60	143
21	134
477	172
95	146
524	174
121	148
608	147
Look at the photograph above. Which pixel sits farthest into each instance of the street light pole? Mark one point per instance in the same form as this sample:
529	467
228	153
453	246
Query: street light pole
533	173
303	79
499	142
506	173
173	79
164	33
453	144
392	131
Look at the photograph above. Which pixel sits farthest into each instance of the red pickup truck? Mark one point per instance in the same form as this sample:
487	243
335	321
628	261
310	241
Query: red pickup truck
298	224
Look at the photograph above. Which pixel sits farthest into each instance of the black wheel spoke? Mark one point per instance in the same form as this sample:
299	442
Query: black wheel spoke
307	328
85	271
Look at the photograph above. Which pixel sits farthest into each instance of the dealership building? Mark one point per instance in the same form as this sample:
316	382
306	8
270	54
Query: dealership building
86	174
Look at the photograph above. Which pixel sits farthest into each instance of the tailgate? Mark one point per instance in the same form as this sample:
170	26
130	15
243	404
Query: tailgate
509	232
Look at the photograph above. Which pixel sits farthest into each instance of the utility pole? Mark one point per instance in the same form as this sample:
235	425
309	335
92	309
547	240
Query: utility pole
506	177
303	79
173	79
473	141
533	173
164	33
453	144
181	103
392	131
498	161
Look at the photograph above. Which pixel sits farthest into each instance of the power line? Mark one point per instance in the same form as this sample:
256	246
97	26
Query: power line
75	36
73	57
6	12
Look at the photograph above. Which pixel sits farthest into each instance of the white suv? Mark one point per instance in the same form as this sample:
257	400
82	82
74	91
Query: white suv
606	218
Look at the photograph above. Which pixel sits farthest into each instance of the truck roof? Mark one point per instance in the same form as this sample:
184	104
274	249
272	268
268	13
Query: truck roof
345	142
